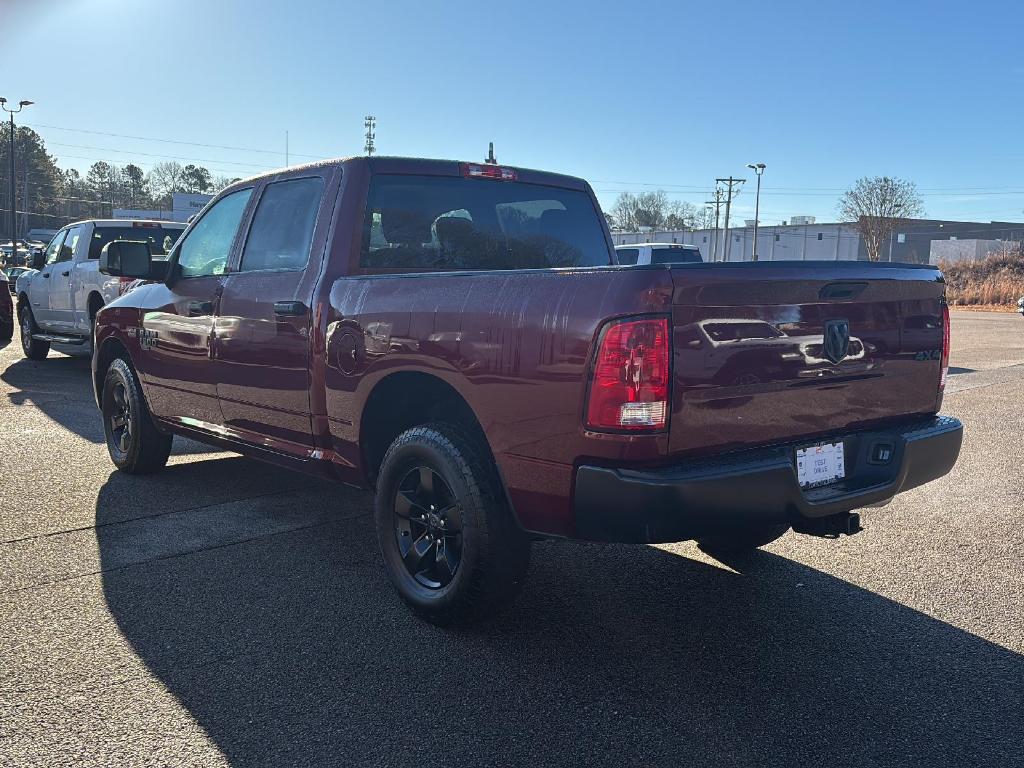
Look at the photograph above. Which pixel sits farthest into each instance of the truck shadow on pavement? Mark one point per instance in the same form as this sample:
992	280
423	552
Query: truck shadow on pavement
59	387
291	648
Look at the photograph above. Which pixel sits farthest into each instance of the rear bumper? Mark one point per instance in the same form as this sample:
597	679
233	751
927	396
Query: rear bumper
756	487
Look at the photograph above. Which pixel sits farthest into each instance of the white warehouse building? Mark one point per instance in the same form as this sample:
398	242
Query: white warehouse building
801	242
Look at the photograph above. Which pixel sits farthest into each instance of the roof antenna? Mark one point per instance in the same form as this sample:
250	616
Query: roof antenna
490	154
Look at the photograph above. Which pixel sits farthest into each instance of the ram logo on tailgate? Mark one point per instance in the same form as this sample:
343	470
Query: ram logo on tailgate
837	340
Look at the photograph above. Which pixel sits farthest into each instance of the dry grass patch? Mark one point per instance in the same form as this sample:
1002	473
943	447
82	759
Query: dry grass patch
998	279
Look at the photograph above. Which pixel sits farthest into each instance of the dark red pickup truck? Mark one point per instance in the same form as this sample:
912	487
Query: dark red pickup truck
459	338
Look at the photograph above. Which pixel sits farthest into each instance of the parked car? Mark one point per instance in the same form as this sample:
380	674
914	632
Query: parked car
12	276
59	298
6	310
658	253
1020	305
456	337
11	259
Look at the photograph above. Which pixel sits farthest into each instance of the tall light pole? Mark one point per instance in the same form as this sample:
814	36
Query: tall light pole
758	169
14	208
896	208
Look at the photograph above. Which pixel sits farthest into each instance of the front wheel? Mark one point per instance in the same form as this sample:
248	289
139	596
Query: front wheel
135	444
448	538
34	349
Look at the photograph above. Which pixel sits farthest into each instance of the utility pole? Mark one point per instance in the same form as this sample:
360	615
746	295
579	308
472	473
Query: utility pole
14	208
717	202
370	123
732	188
286	149
758	169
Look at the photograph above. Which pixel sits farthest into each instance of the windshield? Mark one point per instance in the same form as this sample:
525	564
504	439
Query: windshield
160	239
676	256
446	223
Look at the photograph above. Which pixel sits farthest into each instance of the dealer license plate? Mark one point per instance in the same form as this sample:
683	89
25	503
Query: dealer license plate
820	464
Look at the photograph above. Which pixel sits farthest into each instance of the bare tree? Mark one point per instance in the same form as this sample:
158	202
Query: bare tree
219	182
163	179
680	215
875	206
624	212
704	218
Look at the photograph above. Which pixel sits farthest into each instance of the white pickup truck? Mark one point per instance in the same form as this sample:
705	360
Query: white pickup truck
58	299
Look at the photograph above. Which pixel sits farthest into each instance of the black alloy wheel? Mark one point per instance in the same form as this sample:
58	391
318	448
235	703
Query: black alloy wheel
428	527
120	415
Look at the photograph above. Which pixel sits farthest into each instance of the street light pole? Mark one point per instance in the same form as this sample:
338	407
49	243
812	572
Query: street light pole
758	169
14	208
892	230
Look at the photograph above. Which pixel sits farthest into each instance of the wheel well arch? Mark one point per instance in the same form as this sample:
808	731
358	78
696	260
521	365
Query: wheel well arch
403	400
94	303
110	350
22	301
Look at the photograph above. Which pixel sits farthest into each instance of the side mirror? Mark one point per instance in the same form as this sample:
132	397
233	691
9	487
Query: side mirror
38	260
129	258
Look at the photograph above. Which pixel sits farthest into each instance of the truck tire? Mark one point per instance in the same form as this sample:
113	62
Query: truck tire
450	544
135	445
34	349
741	541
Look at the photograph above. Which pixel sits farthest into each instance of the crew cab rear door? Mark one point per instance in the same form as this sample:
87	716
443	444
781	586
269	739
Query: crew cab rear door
264	318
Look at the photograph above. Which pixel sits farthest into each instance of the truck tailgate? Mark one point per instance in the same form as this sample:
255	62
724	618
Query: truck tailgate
760	357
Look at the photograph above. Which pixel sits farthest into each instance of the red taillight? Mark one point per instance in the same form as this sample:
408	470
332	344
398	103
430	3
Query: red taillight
945	346
629	387
487	171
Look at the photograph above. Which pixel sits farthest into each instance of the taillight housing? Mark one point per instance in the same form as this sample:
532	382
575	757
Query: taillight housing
945	347
629	385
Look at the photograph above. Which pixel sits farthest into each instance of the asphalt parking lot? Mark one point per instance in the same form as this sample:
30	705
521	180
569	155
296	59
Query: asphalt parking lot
227	612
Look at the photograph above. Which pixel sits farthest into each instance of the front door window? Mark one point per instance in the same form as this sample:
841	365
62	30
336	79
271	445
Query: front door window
205	250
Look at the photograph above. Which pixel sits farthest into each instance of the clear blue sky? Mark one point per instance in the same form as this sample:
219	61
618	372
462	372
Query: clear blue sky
631	96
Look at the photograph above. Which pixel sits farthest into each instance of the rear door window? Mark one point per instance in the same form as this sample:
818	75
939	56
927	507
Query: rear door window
627	255
160	238
675	256
420	223
282	227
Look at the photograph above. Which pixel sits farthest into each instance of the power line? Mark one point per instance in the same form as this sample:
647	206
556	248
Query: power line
163	157
174	141
150	164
